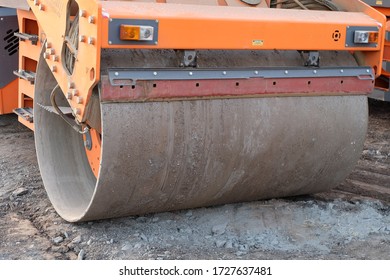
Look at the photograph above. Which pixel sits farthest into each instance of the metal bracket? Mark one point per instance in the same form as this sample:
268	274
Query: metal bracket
29	37
188	58
26	75
313	59
88	140
118	76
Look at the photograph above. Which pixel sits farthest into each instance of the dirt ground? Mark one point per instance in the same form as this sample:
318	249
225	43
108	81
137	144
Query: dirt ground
351	222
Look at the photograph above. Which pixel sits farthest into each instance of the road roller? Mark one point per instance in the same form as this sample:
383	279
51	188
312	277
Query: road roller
159	105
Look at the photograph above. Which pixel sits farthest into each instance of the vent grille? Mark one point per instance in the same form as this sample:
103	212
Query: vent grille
11	42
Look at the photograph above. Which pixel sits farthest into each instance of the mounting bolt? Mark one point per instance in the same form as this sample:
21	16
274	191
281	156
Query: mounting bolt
91	40
36	2
315	71
75	92
56	58
46	56
286	72
224	73
79	100
91	19
190	73
256	72
82	13
48	45
341	71
71	85
54	68
155	73
51	51
41	7
69	95
116	74
77	111
82	38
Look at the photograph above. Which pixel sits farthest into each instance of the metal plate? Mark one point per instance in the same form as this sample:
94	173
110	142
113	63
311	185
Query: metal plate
378	3
114	31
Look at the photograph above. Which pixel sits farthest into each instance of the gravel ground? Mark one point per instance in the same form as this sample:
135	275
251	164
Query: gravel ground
351	222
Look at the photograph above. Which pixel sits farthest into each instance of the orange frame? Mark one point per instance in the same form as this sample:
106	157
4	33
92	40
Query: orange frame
198	27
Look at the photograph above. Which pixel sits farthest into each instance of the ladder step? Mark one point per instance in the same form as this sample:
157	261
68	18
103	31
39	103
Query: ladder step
25	113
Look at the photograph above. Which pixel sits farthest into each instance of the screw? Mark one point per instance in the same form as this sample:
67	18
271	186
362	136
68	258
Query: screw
75	92
46	56
256	72
36	2
91	40
82	13
110	42
41	7
116	74
70	85
286	72
79	100
190	73
82	38
155	73
315	71
56	58
224	73
91	19
54	68
69	95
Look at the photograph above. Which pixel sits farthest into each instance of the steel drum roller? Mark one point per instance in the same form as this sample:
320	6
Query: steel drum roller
162	156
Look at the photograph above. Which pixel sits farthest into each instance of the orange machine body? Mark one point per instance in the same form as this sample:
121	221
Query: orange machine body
9	97
185	26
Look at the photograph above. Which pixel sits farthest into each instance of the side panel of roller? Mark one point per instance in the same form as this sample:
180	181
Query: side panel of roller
9	60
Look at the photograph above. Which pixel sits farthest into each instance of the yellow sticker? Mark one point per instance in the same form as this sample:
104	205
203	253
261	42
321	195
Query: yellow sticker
257	42
379	2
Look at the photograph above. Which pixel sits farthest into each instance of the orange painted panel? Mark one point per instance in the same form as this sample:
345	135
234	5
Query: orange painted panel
9	97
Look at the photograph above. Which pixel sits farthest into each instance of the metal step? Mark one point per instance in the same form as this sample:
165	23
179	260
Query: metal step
25	113
26	75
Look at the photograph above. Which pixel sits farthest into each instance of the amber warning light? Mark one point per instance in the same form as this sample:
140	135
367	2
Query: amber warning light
366	37
136	32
